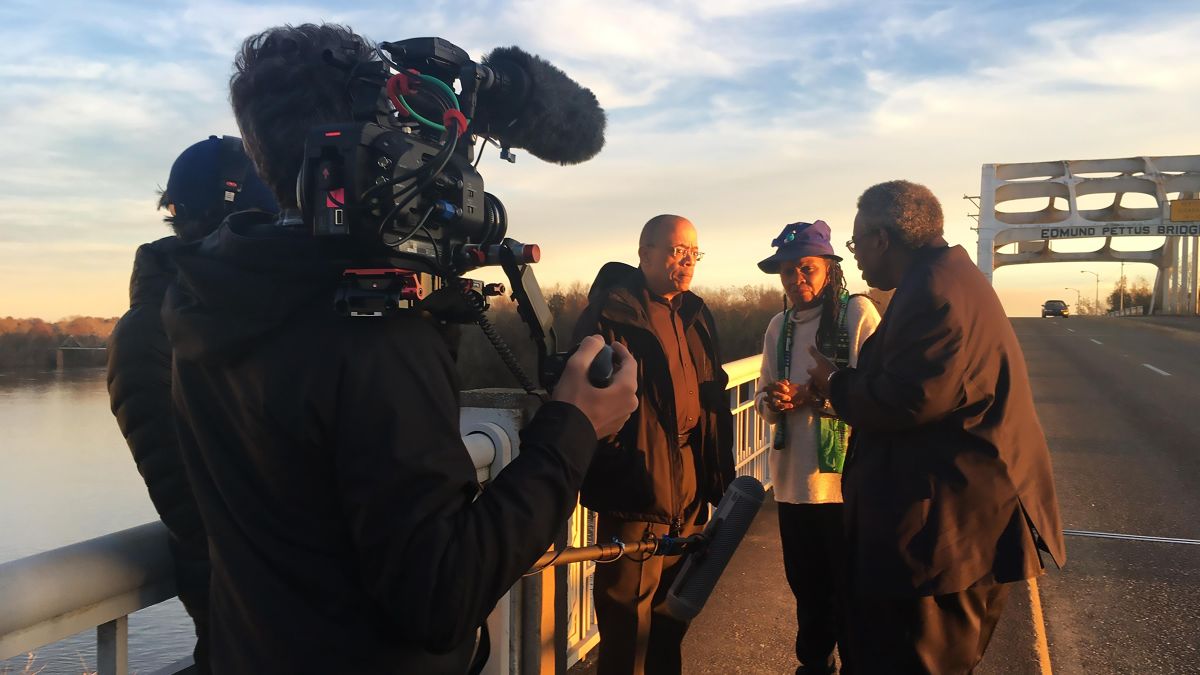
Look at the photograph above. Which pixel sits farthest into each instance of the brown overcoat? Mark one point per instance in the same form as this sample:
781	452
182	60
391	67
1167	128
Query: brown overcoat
947	482
636	475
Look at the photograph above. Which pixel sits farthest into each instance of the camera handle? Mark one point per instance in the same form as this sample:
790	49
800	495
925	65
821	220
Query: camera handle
533	310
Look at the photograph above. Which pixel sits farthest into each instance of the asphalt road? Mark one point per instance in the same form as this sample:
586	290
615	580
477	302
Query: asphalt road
1125	443
1120	402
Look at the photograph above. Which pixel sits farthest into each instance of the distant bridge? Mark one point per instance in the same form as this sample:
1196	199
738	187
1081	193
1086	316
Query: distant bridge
71	355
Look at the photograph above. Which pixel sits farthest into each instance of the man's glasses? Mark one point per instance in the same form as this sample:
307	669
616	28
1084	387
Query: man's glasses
678	252
852	242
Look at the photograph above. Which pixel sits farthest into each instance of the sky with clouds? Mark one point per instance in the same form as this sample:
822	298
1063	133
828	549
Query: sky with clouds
742	115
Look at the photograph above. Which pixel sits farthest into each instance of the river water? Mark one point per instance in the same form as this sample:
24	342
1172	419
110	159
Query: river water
66	475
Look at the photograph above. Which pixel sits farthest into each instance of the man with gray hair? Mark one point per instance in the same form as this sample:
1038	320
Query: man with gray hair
947	483
673	457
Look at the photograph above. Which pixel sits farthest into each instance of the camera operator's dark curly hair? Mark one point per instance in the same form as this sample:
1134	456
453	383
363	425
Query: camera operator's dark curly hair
907	208
282	86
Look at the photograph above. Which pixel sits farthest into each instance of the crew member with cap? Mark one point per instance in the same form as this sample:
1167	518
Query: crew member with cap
809	442
208	181
672	458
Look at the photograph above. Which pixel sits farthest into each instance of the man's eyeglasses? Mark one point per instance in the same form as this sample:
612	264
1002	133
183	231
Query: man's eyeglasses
852	242
679	252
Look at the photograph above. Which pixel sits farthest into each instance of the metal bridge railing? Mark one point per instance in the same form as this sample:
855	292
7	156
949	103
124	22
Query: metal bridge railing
97	583
752	433
91	584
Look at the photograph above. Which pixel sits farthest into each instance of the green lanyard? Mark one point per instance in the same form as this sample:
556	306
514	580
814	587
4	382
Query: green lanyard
783	357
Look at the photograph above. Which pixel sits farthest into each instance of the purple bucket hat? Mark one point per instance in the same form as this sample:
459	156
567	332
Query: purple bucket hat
799	240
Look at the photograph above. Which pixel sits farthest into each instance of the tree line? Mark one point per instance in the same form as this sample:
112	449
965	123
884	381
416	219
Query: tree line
1137	293
741	313
31	343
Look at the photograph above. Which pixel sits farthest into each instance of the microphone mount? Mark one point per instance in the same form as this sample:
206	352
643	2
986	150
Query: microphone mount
616	549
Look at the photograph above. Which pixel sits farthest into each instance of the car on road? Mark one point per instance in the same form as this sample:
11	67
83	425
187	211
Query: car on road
1055	308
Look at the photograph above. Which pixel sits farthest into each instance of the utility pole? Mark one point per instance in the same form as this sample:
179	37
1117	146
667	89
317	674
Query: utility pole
1097	275
1122	291
1077	295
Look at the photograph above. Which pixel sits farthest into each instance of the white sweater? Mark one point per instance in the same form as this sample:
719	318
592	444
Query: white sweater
794	468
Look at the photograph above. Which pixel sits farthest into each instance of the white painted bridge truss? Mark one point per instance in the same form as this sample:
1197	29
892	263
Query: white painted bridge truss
1104	198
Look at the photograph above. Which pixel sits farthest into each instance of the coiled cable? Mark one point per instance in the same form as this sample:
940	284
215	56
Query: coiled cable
502	349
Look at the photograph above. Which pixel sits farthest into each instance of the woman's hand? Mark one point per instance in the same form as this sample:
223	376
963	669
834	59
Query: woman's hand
783	395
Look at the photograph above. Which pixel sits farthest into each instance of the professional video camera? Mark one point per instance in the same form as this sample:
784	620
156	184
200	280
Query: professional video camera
401	179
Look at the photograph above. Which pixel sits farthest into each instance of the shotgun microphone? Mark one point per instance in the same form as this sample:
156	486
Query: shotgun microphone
703	568
529	103
708	552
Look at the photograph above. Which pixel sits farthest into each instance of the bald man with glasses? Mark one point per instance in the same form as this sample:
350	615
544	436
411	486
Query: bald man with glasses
673	457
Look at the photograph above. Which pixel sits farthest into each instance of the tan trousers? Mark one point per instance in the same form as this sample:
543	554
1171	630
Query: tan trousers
636	637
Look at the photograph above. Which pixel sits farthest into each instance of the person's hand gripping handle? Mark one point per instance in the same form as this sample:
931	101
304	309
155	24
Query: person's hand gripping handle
606	406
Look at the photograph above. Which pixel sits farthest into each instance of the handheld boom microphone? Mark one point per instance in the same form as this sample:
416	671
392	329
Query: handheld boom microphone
703	568
708	552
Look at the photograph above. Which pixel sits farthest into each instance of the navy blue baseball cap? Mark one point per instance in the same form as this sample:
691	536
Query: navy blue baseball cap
799	240
216	173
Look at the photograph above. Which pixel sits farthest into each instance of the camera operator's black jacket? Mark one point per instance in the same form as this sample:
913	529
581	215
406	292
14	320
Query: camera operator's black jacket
635	475
346	527
139	389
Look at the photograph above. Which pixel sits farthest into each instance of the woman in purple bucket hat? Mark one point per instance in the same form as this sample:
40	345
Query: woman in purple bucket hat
809	442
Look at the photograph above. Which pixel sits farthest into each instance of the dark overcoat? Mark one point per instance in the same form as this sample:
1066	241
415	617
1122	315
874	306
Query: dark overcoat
346	528
636	475
139	390
947	482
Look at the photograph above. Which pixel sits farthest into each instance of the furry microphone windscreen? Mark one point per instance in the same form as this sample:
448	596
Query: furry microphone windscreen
555	120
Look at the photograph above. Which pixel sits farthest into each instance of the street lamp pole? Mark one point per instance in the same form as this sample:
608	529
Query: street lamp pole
1097	275
1077	296
1122	291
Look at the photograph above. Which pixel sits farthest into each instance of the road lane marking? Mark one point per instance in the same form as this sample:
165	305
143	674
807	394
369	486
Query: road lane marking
1130	537
1160	372
1071	329
1096	341
1039	628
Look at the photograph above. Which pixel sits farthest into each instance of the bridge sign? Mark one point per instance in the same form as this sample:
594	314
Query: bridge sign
1183	210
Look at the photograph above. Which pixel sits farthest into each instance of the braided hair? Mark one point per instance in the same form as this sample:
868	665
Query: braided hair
831	307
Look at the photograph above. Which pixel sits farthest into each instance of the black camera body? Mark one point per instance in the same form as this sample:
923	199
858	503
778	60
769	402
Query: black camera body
354	185
400	180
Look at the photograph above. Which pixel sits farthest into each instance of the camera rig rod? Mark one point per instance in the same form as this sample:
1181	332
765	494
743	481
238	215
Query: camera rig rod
615	549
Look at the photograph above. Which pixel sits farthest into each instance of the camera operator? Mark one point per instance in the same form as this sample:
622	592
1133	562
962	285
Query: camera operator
347	531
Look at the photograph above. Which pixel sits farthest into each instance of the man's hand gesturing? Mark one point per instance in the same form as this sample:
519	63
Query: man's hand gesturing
820	373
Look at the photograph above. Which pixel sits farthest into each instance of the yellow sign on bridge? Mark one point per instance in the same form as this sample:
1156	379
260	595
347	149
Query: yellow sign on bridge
1185	210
